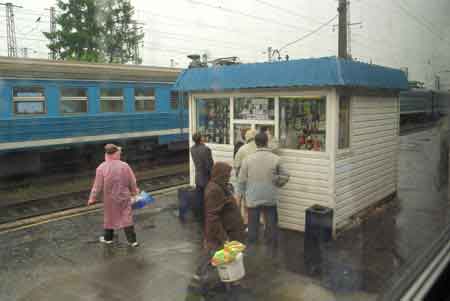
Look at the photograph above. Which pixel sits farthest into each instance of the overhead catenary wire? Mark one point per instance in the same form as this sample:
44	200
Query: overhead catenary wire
416	19
38	20
192	37
203	26
288	11
406	13
210	47
443	51
308	34
255	17
422	17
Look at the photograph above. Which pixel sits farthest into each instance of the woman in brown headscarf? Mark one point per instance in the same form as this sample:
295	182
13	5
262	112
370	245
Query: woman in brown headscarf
223	221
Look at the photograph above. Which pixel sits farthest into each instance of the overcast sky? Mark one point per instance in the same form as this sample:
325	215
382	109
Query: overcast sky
396	33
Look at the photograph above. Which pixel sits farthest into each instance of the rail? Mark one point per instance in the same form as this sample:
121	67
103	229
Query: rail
44	206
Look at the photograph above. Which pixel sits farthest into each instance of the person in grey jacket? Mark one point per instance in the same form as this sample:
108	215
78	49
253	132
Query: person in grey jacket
256	180
203	162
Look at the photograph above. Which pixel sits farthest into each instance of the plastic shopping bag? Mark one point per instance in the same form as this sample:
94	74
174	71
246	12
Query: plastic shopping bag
143	199
228	253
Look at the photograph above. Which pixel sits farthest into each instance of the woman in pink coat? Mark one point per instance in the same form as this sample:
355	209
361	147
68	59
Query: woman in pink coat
117	183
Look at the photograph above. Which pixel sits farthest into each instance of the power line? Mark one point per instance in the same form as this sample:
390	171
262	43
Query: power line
309	33
203	25
27	38
38	20
234	49
255	17
381	44
406	13
415	18
221	42
288	11
422	17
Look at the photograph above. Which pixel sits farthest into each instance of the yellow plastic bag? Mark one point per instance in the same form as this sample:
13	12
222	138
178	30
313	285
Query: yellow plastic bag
228	253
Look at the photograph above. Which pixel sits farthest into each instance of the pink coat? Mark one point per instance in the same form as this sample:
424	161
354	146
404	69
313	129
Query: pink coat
116	181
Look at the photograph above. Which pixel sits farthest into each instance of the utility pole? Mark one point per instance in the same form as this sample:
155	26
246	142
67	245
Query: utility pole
52	30
137	59
342	42
349	32
10	29
269	54
136	54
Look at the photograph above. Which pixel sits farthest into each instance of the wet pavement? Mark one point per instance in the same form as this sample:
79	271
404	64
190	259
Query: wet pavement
62	260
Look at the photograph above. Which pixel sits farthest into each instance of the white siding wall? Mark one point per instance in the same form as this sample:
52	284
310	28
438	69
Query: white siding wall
309	185
367	172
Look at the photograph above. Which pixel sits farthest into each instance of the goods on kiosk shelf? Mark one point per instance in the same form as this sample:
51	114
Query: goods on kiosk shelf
214	122
302	124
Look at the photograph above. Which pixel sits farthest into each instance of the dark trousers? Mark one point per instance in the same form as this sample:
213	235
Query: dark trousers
271	227
199	207
204	262
129	233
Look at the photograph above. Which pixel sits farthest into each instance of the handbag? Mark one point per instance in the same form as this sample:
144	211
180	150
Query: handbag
280	177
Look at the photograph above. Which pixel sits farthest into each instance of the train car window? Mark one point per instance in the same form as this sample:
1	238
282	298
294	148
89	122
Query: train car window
73	100
111	100
213	119
254	108
174	99
344	122
29	100
144	99
303	123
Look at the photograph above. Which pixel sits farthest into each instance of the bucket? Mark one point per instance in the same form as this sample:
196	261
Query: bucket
233	271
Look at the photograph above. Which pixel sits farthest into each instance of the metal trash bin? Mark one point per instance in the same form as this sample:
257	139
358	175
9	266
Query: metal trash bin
318	231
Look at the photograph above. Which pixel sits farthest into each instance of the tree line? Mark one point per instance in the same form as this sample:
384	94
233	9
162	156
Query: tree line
96	31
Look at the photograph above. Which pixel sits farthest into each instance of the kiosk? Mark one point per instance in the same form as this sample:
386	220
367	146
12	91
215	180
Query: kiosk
335	121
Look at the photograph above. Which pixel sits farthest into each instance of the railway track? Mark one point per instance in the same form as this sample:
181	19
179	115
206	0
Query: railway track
411	128
63	202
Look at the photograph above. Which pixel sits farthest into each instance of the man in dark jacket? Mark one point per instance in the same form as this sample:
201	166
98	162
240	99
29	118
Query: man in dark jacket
240	142
203	162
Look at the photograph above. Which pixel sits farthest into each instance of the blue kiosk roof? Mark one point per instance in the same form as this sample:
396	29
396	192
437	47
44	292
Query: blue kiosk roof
320	72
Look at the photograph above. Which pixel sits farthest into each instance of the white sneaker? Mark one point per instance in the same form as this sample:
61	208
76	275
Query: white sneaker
134	244
103	240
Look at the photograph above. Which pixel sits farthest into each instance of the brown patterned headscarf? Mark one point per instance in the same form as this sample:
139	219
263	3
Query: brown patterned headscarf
220	174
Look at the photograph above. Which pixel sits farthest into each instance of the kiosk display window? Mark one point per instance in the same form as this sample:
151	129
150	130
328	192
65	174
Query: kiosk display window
213	119
254	108
302	123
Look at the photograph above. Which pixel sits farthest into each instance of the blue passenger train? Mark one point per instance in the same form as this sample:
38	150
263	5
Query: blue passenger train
50	107
420	105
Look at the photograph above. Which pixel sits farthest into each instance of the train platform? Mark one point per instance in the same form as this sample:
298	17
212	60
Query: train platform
63	260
